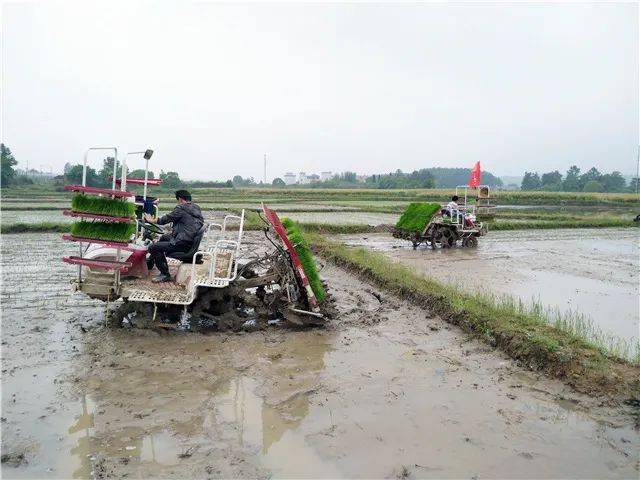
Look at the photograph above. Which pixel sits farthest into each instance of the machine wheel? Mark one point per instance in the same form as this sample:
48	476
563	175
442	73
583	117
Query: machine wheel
139	315
446	237
470	242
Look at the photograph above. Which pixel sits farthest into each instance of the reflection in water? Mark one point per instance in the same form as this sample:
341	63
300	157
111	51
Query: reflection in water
157	448
82	451
259	413
273	428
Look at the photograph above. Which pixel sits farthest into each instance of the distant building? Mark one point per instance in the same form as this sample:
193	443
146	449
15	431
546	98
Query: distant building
362	178
303	179
290	178
313	178
324	176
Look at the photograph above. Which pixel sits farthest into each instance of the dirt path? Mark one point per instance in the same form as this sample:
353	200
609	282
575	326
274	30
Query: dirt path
591	271
385	391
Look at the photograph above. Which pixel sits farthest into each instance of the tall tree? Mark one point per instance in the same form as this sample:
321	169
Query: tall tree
572	180
350	177
530	181
106	172
613	182
592	186
74	176
551	178
138	173
7	173
593	175
171	179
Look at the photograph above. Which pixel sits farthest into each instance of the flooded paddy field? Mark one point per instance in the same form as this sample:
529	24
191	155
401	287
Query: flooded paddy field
590	271
344	218
34	216
280	207
84	401
35	205
9	216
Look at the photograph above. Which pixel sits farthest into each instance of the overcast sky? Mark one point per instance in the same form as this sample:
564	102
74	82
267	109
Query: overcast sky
364	87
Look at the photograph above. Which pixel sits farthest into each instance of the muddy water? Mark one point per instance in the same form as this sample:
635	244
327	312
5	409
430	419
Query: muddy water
593	272
82	401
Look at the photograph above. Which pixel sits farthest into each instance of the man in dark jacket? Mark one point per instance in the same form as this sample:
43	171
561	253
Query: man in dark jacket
186	219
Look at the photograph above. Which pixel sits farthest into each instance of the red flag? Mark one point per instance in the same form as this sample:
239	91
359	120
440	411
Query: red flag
475	181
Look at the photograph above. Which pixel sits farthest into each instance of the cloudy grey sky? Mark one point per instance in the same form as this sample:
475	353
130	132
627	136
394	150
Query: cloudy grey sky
364	87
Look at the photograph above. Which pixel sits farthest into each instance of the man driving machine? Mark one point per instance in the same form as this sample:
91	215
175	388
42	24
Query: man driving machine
186	219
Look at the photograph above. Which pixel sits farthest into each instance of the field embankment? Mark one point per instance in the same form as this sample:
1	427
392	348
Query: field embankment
293	195
21	227
527	337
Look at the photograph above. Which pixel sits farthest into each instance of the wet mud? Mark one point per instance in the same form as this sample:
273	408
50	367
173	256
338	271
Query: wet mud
386	390
594	272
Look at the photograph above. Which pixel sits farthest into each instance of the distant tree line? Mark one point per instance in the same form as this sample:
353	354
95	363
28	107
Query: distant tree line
574	181
339	180
423	178
417	179
102	178
452	177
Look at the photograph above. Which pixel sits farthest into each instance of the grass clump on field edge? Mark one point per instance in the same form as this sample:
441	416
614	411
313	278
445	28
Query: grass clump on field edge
554	224
114	207
416	216
524	336
117	232
34	227
305	256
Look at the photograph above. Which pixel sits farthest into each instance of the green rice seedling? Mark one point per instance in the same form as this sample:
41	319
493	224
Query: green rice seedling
417	215
597	222
305	256
117	232
113	207
336	228
571	322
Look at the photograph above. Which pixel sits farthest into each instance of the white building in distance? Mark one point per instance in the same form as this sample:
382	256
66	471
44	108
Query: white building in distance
324	176
290	178
303	179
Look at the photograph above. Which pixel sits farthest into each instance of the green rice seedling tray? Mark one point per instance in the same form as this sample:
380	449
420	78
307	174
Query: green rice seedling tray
305	256
110	231
416	216
113	207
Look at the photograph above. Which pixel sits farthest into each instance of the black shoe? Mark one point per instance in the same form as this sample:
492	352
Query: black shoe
161	278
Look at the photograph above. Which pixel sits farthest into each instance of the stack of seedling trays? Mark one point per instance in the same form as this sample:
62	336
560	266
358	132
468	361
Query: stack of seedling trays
105	217
414	220
303	250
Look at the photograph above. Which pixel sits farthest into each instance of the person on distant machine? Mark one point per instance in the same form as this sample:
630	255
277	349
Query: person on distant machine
453	209
186	219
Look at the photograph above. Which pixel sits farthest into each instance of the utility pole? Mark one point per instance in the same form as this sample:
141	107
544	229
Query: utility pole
264	177
638	170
